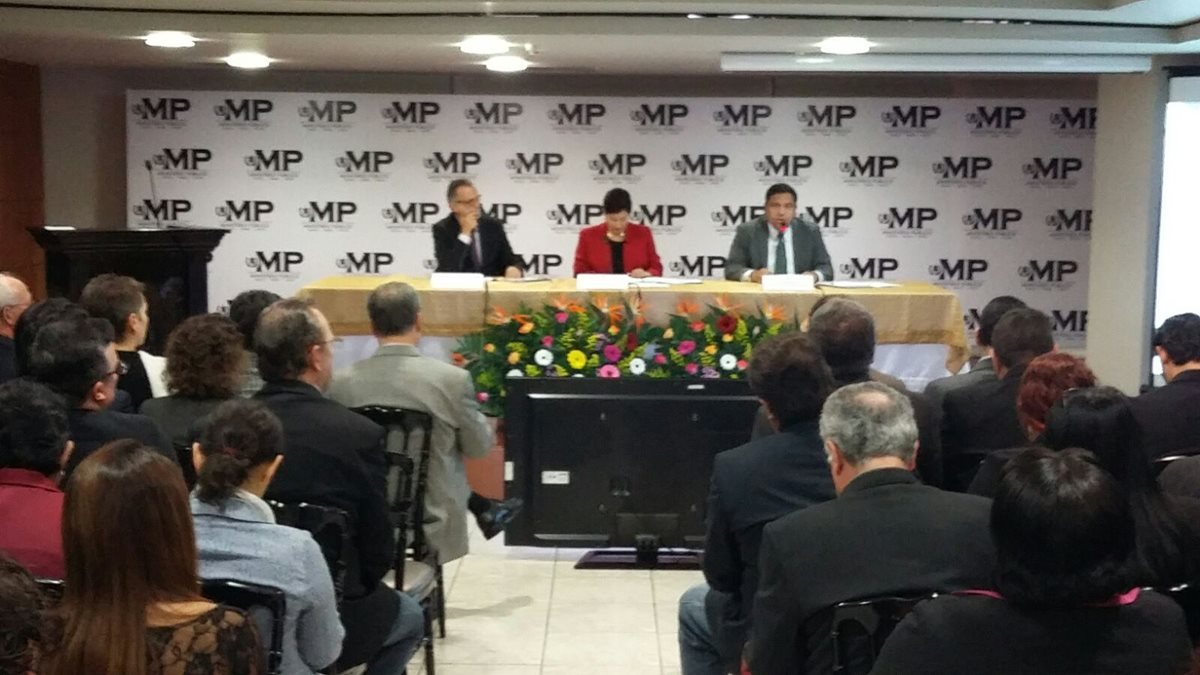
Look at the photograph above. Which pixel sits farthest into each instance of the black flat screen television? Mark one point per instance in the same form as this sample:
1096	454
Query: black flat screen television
609	462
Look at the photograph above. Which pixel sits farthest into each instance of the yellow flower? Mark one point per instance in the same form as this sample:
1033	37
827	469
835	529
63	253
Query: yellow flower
525	328
489	348
668	334
514	358
576	359
727	338
613	330
711	349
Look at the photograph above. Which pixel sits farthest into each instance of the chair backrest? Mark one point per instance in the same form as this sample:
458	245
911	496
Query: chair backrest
860	628
266	605
329	526
1188	597
52	590
1160	464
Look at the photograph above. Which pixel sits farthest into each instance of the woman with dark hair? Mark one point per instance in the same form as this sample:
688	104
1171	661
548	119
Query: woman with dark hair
236	458
1066	598
22	624
131	602
617	246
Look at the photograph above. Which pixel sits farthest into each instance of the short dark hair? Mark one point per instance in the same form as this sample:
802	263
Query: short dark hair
778	189
393	308
454	185
205	358
617	200
286	330
1063	530
245	309
69	356
1179	336
788	373
22	618
33	319
113	297
1021	335
996	308
33	427
238	436
845	332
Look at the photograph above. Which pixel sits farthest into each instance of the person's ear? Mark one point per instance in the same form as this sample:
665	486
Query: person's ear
911	464
272	468
1054	349
770	415
97	394
197	457
833	455
1162	355
419	325
65	457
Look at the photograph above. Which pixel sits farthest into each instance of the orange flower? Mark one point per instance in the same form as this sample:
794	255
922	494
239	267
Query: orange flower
686	308
615	312
561	303
498	317
637	308
697	325
458	359
525	328
772	313
723	303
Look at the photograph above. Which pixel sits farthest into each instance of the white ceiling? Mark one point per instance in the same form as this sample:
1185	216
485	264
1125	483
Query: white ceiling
648	36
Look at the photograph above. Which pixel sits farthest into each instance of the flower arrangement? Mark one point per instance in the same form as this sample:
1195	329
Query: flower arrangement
612	340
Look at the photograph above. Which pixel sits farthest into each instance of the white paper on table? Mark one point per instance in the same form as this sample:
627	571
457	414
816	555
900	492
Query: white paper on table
668	281
602	282
858	284
524	279
787	282
457	281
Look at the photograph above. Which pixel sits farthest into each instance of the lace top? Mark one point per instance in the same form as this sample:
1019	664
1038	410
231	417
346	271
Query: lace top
219	642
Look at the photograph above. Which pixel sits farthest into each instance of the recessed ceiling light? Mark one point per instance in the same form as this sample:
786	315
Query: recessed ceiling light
170	39
484	44
506	64
695	16
740	17
248	60
845	45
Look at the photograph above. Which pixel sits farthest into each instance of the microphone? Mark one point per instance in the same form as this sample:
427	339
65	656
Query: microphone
153	192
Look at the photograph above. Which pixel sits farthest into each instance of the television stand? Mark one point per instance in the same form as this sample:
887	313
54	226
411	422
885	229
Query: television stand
647	555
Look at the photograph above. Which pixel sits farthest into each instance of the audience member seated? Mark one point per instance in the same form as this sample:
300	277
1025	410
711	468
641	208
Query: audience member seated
753	485
204	368
1170	415
1101	421
244	311
14	300
1045	381
121	301
336	458
983	370
77	359
22	620
32	320
1065	599
398	375
237	456
131	601
33	450
981	417
885	534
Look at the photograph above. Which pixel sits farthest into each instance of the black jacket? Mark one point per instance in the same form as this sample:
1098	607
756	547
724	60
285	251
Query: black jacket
753	485
92	429
8	359
885	535
454	256
976	420
1170	417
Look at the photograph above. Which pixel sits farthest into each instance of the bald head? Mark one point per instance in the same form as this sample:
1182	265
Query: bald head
14	300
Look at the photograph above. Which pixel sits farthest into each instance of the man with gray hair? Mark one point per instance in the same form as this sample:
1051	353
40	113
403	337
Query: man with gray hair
14	300
398	375
885	535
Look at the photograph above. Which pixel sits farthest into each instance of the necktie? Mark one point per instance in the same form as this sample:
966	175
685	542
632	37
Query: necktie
781	266
476	249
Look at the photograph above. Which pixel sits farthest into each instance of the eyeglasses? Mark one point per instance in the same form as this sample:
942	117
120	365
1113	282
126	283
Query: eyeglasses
120	370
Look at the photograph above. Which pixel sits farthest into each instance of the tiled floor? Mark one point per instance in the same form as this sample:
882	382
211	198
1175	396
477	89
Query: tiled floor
528	611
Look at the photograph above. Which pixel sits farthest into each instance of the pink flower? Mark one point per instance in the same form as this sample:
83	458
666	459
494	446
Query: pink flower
482	396
691	368
612	353
743	364
660	358
686	347
547	340
561	317
609	370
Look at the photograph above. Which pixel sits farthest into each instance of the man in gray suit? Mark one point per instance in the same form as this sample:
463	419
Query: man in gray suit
983	370
398	375
778	243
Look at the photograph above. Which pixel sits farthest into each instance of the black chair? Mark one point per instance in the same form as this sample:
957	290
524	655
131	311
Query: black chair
265	605
330	527
958	470
1160	464
52	590
1188	597
861	627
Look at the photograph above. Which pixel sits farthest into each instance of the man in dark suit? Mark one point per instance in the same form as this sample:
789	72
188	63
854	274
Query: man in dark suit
14	300
885	534
753	485
983	370
77	358
778	242
982	417
1170	415
468	240
336	458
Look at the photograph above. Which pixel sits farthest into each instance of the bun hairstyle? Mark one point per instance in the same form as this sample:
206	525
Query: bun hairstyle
237	437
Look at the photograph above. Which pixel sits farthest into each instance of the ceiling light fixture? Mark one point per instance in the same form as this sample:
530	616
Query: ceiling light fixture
170	39
739	17
484	45
248	60
845	45
733	62
506	64
695	16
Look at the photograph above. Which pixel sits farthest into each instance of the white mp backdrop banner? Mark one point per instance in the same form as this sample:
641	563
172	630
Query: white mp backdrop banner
985	197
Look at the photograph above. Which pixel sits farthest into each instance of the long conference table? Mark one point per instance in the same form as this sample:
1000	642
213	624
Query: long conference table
912	314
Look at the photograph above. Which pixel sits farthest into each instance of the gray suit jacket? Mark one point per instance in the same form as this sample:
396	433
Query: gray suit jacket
398	375
749	249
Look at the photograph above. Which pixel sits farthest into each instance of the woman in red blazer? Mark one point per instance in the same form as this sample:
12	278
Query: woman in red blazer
617	246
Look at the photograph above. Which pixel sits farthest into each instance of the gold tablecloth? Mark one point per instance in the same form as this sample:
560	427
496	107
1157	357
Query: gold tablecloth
911	313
